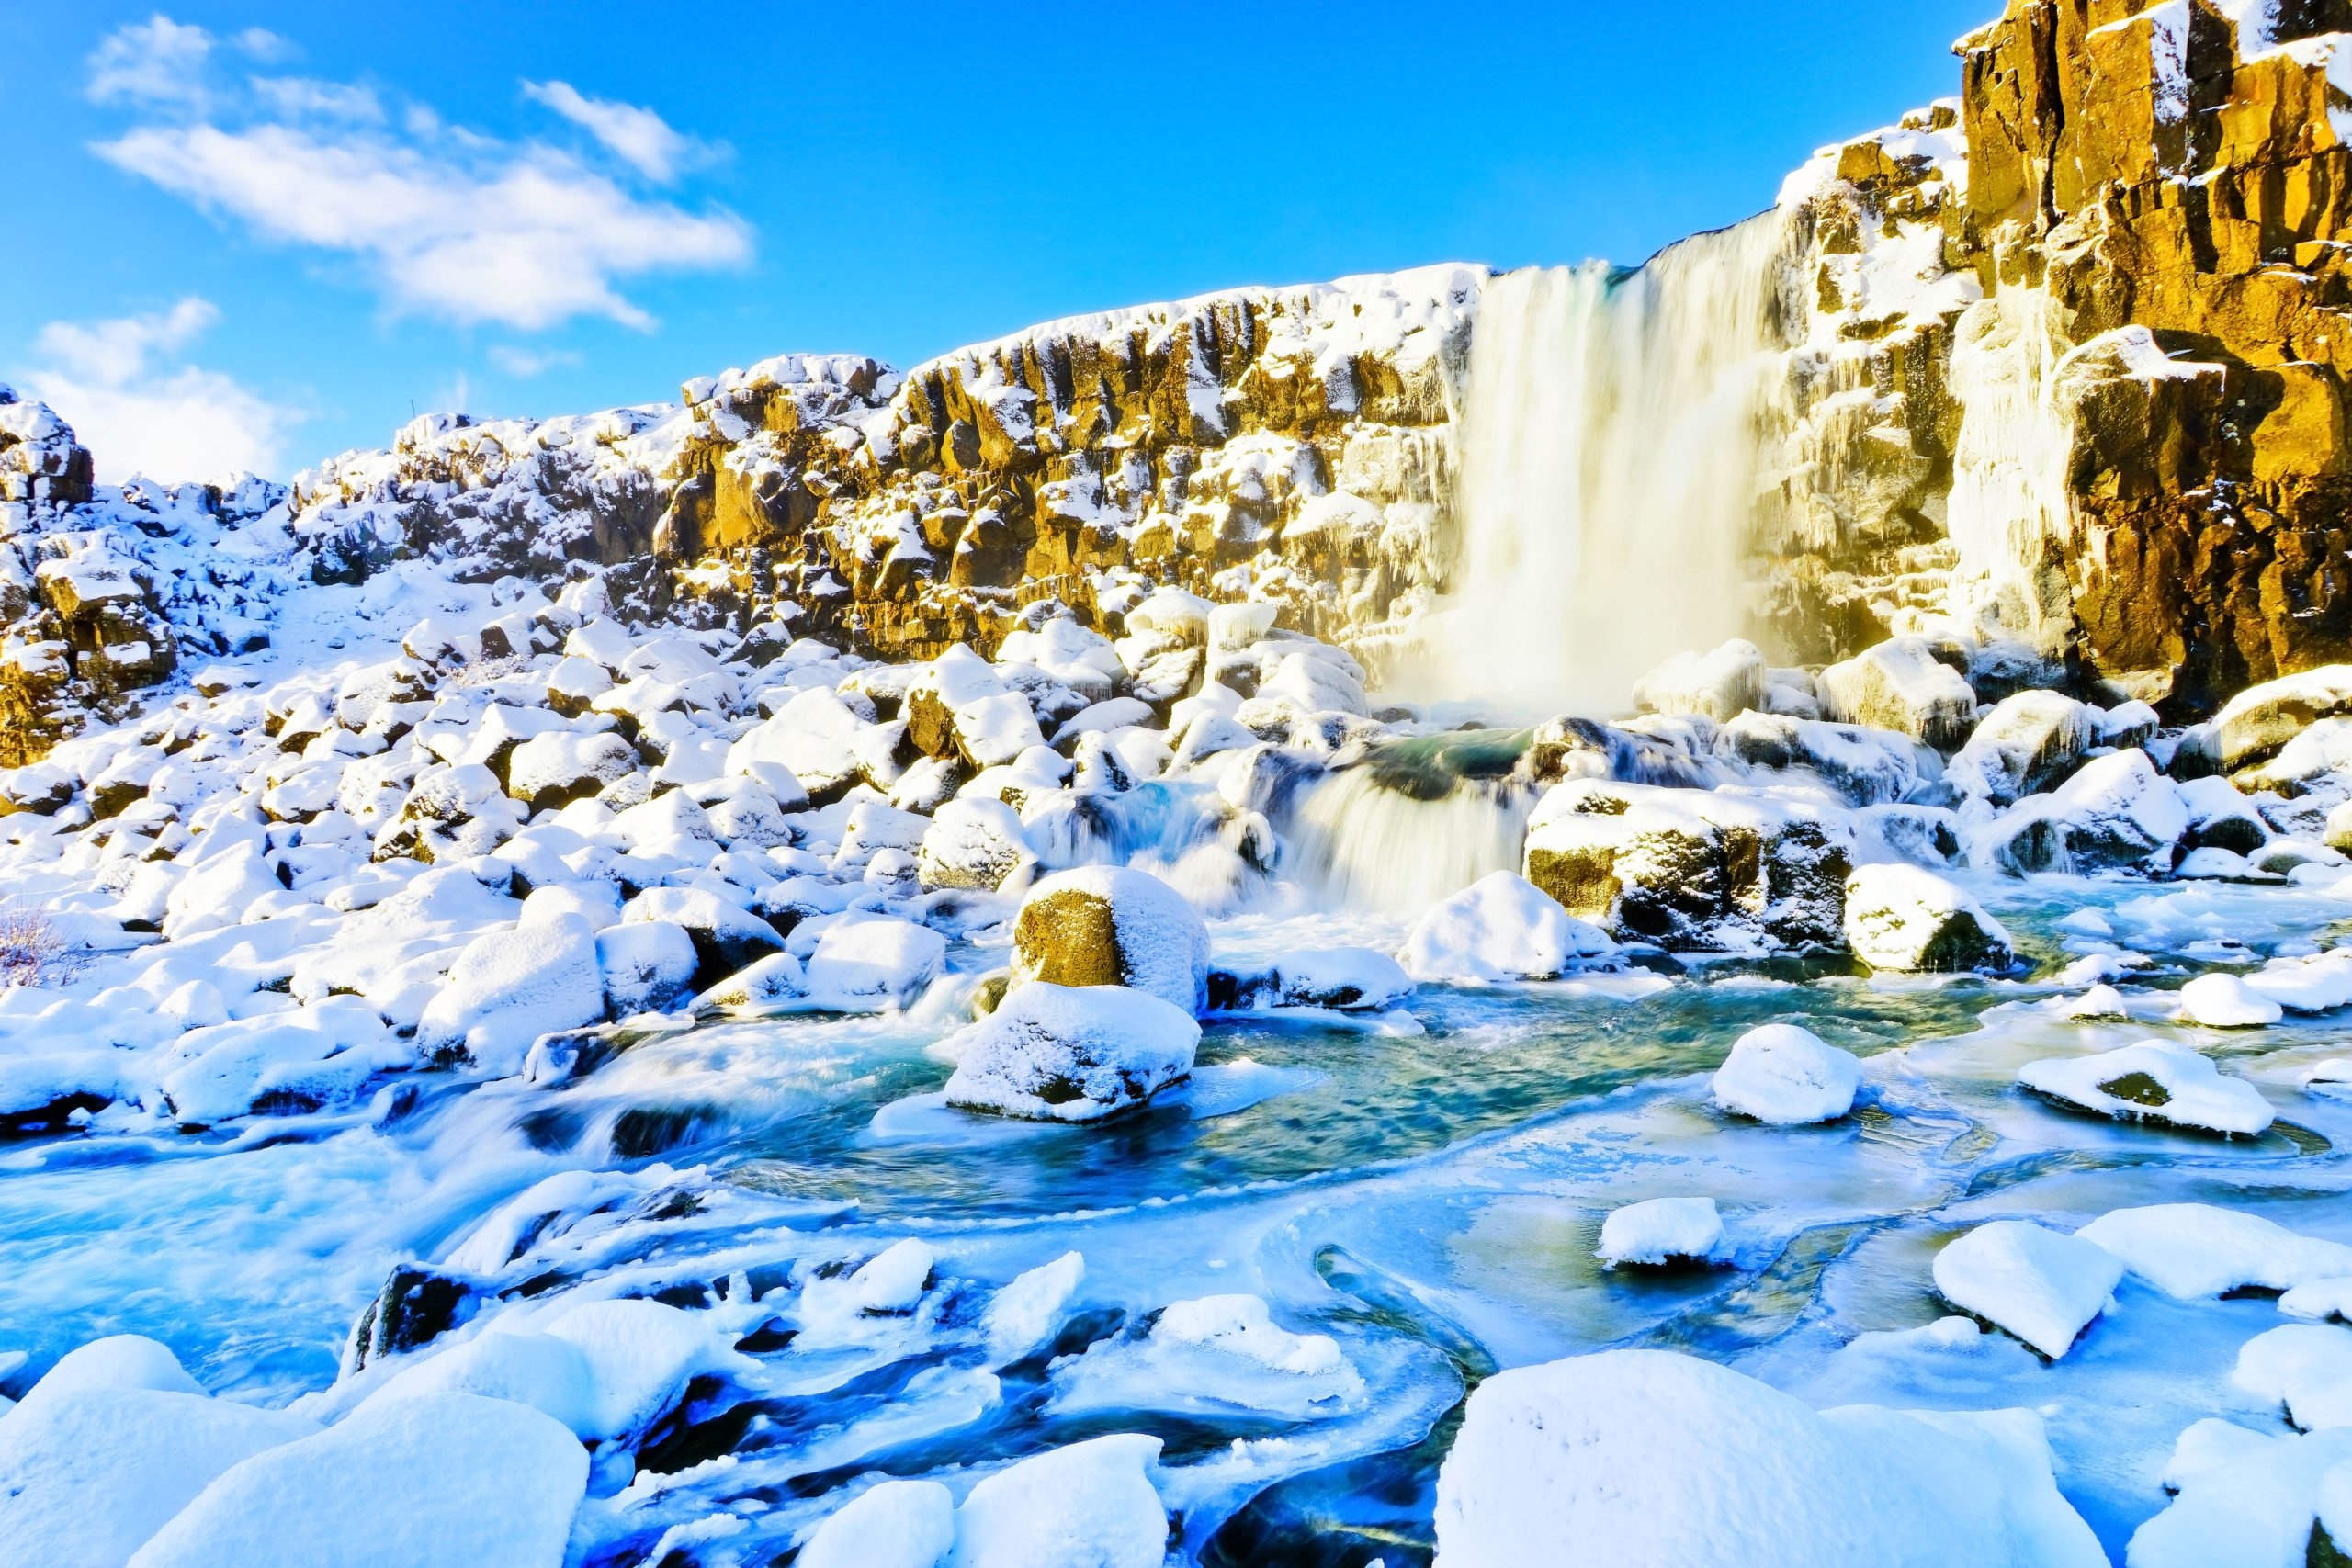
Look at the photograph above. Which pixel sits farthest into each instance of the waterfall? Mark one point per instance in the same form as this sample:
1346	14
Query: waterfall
1616	429
2009	494
1362	844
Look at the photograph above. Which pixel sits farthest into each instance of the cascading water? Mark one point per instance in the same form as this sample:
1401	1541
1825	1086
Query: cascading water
2009	495
1616	428
1420	820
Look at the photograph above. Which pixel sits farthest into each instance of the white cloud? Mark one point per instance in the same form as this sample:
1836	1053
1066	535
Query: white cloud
525	363
636	136
446	221
139	413
157	62
298	97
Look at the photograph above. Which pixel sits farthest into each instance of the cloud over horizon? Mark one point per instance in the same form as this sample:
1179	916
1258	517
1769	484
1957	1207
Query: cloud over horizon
443	222
132	400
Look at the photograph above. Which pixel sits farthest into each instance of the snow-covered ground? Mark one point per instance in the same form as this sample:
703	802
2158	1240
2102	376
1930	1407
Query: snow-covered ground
545	1088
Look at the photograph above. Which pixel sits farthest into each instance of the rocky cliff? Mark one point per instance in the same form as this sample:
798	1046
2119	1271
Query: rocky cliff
2062	368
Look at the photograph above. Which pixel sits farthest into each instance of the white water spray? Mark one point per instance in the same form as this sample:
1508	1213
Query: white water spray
1614	436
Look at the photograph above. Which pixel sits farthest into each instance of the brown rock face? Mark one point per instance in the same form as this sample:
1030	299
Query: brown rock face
2177	187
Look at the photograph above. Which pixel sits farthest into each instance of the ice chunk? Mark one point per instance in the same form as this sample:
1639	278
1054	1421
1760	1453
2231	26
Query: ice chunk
892	1280
2193	1250
1788	1075
1650	1457
2040	1285
1660	1229
1023	1318
1500	928
2155	1080
897	1524
446	1478
1241	1325
1070	1053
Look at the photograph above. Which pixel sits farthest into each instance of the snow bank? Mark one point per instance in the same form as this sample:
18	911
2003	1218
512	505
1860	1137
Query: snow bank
445	1478
1500	928
2193	1250
1649	1457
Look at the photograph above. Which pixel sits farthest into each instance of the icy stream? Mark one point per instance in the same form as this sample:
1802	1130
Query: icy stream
1425	1188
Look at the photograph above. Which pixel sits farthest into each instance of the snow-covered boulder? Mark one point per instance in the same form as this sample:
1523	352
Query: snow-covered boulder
1690	870
2249	1499
1721	684
725	937
897	1524
557	767
814	735
1904	917
2117	811
2039	1284
1353	978
1112	926
2226	1002
647	965
2220	818
1923	835
1899	685
2155	1080
1787	1075
2318	982
972	842
1092	1504
2196	1251
1655	1458
1070	1053
509	987
2027	742
2256	724
1662	1230
775	983
1869	767
1501	928
88	1473
2306	1368
442	1478
451	813
867	966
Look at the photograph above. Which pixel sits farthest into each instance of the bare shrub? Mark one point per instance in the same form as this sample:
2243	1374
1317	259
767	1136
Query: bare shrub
32	948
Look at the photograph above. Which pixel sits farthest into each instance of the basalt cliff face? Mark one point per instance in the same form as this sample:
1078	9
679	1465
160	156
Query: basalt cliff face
2057	365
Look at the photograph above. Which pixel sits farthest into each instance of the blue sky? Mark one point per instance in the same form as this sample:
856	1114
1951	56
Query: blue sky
255	234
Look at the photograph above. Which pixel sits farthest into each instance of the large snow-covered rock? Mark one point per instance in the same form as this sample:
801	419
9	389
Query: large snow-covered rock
441	1479
725	937
1662	1230
647	965
2155	1080
1112	926
508	989
1646	1457
2040	1284
1092	1504
1070	1053
1899	685
557	767
1501	928
2256	724
973	842
870	964
2027	742
1721	684
2226	1002
1869	767
2116	811
1904	917
89	1474
1781	1074
897	1524
1689	869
